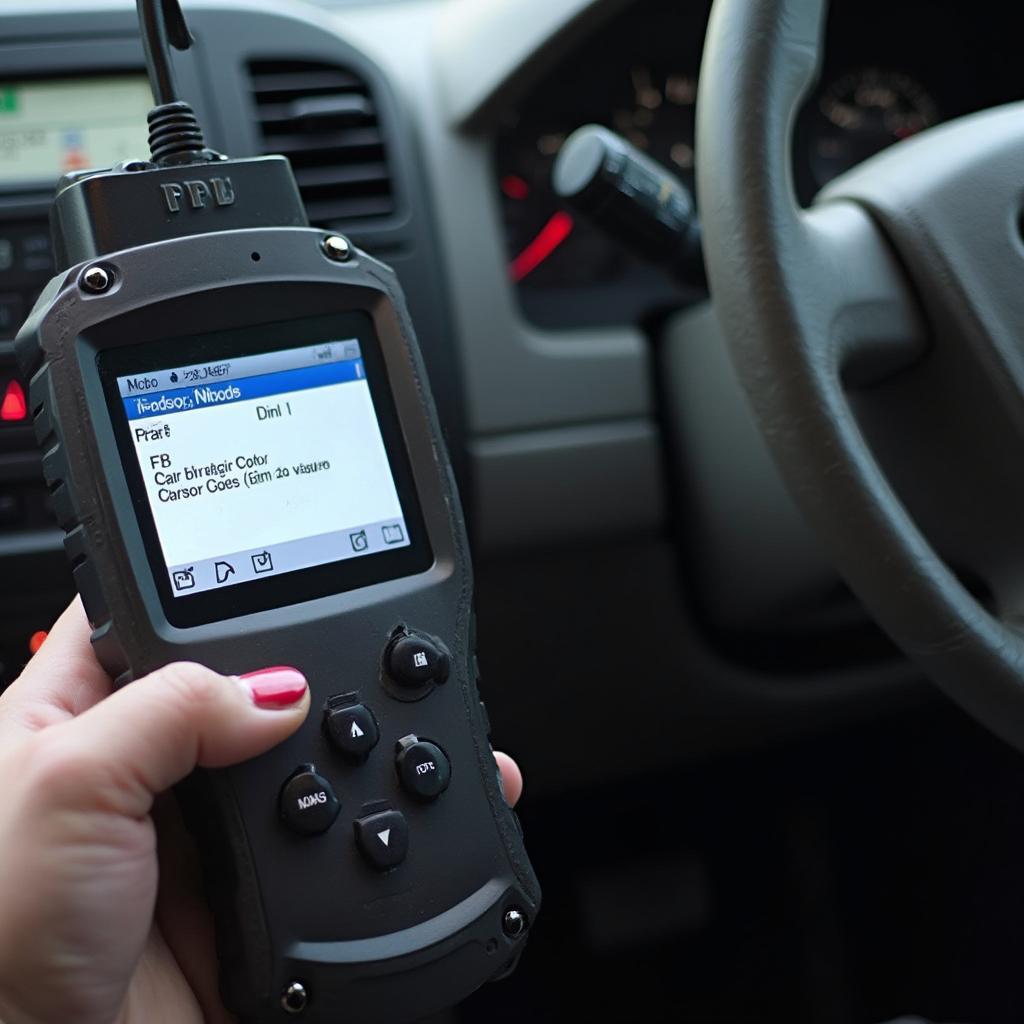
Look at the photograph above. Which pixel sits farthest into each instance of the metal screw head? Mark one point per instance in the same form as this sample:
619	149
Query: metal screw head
294	998
96	279
337	248
514	922
134	166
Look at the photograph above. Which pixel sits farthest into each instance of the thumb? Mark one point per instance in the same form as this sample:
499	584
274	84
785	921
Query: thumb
148	736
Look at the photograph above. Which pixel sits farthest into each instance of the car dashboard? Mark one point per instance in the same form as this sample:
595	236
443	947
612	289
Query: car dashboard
742	801
626	521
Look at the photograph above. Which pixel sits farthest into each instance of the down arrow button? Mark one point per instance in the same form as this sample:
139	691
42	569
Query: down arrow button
383	839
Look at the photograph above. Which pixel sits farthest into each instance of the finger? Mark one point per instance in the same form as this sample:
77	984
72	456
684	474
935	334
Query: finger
148	736
511	778
61	681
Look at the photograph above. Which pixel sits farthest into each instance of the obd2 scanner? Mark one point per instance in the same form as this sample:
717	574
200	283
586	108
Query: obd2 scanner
240	444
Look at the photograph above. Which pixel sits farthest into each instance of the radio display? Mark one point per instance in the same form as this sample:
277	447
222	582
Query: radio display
53	127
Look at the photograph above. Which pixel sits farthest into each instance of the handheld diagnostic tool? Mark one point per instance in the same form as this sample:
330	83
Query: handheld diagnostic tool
240	444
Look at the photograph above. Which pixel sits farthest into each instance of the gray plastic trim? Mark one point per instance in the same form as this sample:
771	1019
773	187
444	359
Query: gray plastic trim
753	554
483	48
570	485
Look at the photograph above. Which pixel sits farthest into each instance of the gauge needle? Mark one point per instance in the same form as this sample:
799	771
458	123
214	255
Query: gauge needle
548	239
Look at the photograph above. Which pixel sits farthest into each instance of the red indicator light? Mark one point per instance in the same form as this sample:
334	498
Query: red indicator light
515	187
36	640
14	407
548	239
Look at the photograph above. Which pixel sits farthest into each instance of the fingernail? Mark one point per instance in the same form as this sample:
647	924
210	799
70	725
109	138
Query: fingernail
279	687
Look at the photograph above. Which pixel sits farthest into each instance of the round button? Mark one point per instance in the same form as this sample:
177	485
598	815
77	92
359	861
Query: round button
423	768
308	804
352	730
415	660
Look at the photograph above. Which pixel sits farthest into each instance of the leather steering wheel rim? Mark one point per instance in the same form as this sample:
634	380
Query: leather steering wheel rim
802	295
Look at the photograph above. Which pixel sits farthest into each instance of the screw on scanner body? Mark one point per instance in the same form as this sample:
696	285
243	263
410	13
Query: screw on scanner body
96	279
514	923
337	248
294	998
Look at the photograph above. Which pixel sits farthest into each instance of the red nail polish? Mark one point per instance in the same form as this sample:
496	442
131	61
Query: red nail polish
278	687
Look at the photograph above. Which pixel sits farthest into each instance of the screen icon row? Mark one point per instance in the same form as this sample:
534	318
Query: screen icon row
392	534
236	568
185	579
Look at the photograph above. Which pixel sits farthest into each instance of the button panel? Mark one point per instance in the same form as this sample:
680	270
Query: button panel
383	839
307	802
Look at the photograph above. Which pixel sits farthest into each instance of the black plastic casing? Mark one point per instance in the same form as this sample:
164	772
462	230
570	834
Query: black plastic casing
367	947
107	211
631	197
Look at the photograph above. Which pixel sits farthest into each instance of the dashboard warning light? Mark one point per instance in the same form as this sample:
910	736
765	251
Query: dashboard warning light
35	641
551	236
14	408
515	187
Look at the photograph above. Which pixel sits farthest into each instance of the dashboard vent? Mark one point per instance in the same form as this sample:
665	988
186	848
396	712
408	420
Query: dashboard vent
322	117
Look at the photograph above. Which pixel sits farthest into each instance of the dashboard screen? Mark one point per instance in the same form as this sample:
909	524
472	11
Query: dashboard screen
271	473
52	127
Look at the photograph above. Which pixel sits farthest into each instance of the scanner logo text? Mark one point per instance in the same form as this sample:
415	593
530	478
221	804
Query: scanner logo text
198	195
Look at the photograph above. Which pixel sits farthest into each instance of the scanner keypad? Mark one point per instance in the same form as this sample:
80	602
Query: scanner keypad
422	770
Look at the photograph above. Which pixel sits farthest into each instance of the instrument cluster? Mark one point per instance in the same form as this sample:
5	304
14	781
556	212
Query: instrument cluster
890	72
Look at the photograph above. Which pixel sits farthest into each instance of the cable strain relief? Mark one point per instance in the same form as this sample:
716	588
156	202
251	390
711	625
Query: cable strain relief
174	135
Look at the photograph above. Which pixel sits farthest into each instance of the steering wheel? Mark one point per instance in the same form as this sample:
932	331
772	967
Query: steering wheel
904	280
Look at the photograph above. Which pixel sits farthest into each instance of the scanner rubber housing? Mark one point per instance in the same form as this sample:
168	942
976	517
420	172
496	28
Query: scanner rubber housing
367	947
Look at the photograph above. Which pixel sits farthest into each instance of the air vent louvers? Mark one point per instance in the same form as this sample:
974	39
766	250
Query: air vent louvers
322	117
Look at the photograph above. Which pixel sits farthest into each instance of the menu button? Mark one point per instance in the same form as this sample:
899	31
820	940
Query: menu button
307	802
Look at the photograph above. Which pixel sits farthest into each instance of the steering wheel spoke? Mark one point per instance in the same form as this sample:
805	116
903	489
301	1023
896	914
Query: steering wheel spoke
815	301
869	318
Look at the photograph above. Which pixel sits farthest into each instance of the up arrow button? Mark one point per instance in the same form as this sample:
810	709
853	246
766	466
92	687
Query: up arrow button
351	728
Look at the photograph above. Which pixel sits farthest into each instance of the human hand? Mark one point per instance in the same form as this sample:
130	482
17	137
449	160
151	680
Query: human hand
83	935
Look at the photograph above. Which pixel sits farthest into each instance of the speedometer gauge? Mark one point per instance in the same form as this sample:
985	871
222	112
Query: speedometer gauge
862	113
